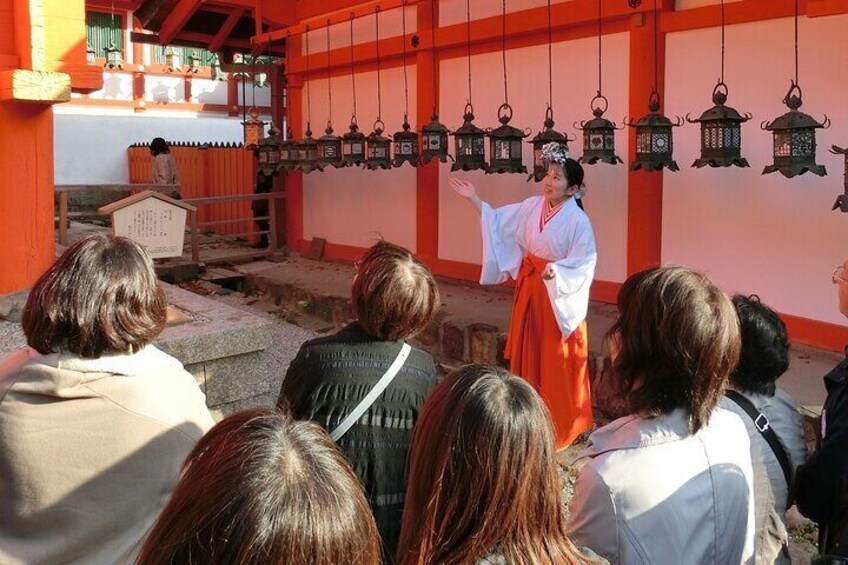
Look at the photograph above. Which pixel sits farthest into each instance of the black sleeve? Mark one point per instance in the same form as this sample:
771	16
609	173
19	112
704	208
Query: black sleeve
294	390
821	484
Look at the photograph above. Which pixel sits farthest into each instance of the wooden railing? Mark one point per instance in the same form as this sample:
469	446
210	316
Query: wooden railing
203	203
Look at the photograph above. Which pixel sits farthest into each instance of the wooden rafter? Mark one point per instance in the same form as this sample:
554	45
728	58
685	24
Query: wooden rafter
226	29
177	19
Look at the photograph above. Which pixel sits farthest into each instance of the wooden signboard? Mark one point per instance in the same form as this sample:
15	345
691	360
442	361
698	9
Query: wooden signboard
152	219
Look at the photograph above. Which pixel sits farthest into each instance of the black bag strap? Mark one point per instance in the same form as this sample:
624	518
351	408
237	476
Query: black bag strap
764	427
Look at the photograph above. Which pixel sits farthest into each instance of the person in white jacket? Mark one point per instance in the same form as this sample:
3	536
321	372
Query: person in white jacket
672	481
94	421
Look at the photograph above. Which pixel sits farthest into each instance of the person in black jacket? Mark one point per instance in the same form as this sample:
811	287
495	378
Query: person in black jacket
821	485
395	297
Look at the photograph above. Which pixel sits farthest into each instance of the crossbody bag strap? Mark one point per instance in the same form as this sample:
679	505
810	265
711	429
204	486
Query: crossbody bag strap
372	395
763	426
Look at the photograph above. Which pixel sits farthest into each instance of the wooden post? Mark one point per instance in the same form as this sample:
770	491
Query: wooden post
195	248
272	223
63	218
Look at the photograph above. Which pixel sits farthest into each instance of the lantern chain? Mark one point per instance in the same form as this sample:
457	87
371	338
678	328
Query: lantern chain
468	43
722	41
433	49
352	74
550	63
656	48
329	79
503	49
379	90
599	49
405	81
796	42
308	91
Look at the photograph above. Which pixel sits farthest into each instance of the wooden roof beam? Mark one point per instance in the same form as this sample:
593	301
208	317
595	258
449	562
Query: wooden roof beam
226	29
177	19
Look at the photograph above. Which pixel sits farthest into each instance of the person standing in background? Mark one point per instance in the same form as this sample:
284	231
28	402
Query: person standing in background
164	165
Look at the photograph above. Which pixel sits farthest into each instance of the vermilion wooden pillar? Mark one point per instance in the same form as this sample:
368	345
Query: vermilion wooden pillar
427	194
42	56
644	190
294	180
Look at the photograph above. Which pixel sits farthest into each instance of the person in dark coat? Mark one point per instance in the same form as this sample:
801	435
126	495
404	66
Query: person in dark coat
821	484
395	297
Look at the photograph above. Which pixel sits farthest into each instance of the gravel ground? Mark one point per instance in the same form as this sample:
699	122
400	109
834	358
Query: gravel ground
11	337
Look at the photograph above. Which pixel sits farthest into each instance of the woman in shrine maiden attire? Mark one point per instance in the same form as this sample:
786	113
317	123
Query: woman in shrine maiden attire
546	244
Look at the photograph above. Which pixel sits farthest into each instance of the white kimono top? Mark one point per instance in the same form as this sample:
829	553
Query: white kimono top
567	241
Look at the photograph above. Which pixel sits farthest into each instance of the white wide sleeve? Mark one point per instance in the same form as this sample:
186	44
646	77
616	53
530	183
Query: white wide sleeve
569	289
502	255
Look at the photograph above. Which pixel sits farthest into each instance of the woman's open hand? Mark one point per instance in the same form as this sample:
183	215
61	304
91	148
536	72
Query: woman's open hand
463	188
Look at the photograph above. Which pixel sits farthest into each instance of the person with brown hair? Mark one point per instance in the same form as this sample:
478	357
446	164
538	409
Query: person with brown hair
672	481
260	488
365	385
483	478
94	420
164	169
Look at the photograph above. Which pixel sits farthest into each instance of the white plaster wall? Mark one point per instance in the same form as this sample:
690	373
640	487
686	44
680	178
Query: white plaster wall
260	96
353	206
364	31
206	91
575	83
91	148
161	89
756	233
116	86
454	11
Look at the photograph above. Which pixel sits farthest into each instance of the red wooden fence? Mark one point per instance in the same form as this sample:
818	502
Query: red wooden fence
207	170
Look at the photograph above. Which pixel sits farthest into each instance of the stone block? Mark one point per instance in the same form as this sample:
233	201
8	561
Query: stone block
12	305
177	272
453	341
230	379
483	344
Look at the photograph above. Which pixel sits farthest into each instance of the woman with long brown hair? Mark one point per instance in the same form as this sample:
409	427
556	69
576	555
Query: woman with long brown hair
262	488
483	480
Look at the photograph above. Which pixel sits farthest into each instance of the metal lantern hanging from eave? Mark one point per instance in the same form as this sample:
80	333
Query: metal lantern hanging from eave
113	57
194	62
353	146
269	151
172	61
307	153
599	136
795	139
288	154
505	145
721	133
470	144
654	142
377	148
90	54
253	129
547	135
215	67
330	148
842	200
405	145
434	141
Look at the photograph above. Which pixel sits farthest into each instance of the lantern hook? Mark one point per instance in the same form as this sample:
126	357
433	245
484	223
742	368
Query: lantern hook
469	111
720	93
654	101
794	102
379	126
598	110
504	113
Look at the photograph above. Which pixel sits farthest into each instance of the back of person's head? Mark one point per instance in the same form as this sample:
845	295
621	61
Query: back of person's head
100	297
260	488
765	346
483	477
159	145
394	295
678	340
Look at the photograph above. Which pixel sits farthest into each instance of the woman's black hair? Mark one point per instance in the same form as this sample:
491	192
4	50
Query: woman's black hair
765	346
159	145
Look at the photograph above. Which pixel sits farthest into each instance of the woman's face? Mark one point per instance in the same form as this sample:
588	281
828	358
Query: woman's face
555	184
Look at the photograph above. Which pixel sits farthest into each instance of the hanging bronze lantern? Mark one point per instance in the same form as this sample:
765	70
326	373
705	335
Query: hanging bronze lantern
194	62
215	66
269	151
377	148
721	133
307	152
253	129
505	145
172	61
114	57
405	145
288	154
90	55
795	139
842	200
599	136
434	140
547	135
470	145
353	146
654	142
330	148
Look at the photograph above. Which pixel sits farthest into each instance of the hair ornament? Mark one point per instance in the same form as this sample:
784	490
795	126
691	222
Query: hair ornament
554	152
